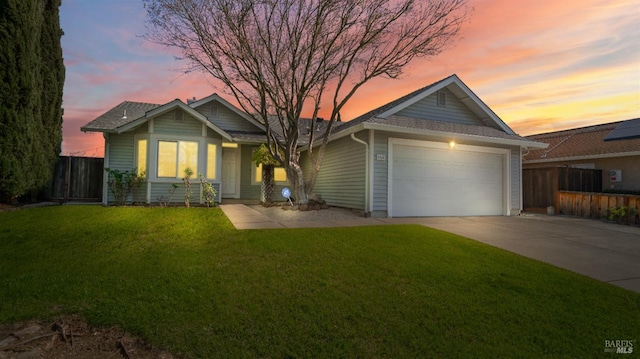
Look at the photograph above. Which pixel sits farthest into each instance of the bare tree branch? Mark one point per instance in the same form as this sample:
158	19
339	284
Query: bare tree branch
279	57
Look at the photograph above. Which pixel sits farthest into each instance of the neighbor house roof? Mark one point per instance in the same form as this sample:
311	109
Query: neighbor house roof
585	143
385	118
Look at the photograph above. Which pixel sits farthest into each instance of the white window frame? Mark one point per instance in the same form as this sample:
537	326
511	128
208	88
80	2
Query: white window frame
152	163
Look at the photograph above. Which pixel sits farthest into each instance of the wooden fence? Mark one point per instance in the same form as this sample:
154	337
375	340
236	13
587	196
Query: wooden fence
595	205
541	185
77	179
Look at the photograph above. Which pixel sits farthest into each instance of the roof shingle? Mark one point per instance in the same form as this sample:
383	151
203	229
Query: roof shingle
115	117
581	142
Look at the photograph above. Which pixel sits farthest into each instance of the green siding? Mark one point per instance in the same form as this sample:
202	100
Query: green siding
168	124
342	175
225	118
121	155
454	111
247	190
160	192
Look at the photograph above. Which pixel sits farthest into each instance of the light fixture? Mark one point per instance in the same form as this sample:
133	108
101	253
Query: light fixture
452	144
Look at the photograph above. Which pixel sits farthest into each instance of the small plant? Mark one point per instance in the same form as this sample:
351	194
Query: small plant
622	215
136	182
208	191
186	180
165	204
120	184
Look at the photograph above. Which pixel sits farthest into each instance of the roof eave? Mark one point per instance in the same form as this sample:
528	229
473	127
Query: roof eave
585	157
456	136
447	135
93	129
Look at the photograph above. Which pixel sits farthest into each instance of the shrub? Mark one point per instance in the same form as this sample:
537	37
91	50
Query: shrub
187	186
121	183
622	215
208	191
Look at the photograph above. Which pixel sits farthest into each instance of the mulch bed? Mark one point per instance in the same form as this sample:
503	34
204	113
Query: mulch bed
71	337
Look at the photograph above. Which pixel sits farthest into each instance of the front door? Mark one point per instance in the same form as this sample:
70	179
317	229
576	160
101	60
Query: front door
230	165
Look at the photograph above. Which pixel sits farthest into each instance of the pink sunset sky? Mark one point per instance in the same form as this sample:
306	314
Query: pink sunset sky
540	65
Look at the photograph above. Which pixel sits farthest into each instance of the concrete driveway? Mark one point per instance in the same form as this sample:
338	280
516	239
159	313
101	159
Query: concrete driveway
604	251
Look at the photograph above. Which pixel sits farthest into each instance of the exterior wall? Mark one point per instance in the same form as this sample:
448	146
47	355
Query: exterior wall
167	123
629	166
120	156
454	111
225	118
380	170
342	176
249	189
164	192
516	180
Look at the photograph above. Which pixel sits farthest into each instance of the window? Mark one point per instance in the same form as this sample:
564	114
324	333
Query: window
279	174
176	156
141	164
442	98
211	160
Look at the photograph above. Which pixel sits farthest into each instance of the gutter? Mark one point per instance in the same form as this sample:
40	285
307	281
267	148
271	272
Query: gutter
410	131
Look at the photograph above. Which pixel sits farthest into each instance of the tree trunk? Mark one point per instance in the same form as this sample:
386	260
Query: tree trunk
267	184
297	181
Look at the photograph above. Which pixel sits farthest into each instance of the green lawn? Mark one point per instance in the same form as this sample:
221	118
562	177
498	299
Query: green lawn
186	280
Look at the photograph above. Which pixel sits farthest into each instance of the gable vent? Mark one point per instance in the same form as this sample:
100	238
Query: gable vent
213	110
442	98
178	115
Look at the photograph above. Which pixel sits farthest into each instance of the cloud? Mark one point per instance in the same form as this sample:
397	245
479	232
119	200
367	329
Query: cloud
540	65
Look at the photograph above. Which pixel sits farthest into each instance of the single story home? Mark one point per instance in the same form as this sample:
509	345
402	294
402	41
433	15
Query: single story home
438	151
613	148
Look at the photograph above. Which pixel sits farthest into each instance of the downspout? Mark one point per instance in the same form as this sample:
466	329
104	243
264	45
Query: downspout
367	211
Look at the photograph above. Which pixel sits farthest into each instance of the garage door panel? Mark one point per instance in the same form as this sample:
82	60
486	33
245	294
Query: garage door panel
431	181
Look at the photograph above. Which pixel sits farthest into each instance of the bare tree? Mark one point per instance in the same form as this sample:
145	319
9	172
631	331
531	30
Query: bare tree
279	58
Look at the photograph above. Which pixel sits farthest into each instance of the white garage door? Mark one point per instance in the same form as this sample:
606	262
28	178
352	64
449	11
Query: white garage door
431	179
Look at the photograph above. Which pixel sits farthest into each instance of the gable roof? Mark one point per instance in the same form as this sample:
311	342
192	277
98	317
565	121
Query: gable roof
120	115
117	120
588	142
234	109
385	118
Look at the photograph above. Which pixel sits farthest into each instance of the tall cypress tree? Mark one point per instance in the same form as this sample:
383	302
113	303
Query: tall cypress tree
31	81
